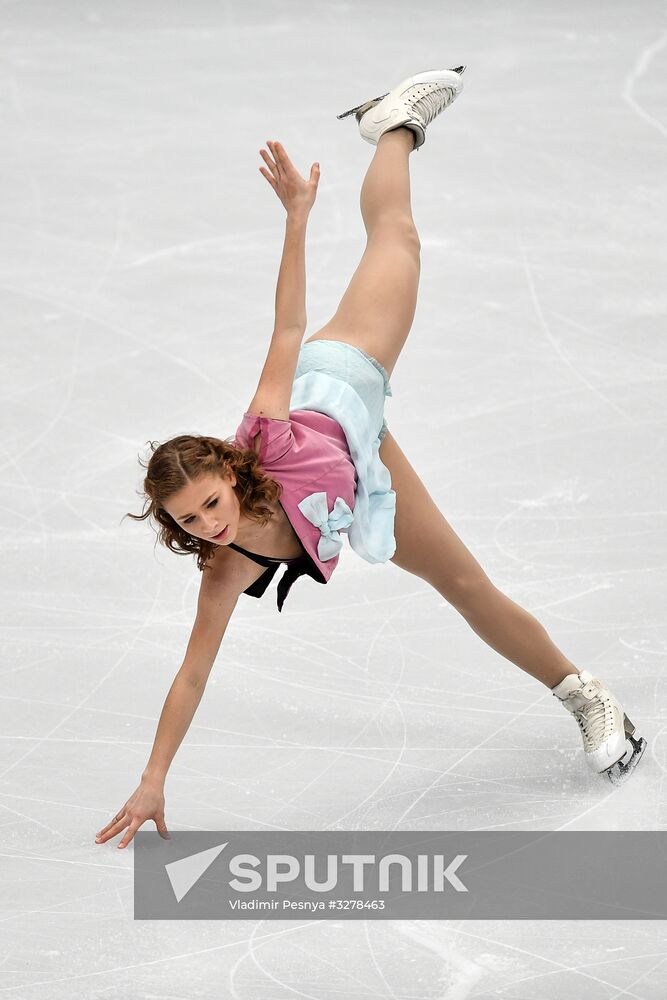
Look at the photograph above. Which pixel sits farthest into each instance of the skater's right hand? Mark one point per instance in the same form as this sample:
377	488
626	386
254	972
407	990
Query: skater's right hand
296	193
146	802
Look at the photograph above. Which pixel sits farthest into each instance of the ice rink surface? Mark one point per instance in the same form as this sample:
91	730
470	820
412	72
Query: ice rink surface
140	254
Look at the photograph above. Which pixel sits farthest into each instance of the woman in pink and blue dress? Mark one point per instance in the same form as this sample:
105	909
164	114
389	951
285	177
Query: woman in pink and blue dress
313	459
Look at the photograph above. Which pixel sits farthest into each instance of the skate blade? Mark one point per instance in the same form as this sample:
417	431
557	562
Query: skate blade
623	768
366	105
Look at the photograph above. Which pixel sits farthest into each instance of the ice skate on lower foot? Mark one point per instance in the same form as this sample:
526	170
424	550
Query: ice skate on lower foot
611	743
414	103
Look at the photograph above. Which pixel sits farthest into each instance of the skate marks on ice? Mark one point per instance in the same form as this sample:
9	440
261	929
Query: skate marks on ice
490	973
637	71
331	954
427	958
459	973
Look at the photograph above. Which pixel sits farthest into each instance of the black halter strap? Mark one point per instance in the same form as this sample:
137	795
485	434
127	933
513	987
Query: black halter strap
263	560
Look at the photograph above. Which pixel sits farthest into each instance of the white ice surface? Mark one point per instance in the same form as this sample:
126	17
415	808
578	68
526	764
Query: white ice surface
138	265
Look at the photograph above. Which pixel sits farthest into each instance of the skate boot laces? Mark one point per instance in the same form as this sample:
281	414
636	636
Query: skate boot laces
593	711
431	99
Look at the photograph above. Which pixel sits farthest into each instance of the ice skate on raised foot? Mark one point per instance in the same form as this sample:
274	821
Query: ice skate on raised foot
414	103
611	743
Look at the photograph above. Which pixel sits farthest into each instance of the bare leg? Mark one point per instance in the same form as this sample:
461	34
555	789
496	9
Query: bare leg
377	310
386	186
428	547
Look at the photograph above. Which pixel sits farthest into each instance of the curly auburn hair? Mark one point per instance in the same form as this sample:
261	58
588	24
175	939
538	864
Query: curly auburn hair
181	460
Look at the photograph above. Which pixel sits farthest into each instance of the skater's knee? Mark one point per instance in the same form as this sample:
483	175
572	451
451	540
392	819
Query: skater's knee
397	226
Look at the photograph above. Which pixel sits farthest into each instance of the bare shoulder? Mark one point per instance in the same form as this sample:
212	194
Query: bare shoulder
229	572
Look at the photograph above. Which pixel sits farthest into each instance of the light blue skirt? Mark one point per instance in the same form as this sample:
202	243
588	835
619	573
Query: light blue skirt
349	385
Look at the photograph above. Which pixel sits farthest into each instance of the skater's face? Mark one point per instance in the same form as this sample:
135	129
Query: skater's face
207	506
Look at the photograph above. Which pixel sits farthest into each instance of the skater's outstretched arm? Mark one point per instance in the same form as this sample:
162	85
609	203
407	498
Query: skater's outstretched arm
220	588
297	196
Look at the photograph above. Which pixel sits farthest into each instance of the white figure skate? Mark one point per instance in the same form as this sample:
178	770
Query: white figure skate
611	743
414	103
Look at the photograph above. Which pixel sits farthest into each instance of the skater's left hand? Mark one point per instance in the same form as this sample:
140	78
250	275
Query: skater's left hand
296	194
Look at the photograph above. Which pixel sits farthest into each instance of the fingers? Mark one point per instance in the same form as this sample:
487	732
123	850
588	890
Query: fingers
280	162
281	158
283	165
161	827
118	823
274	180
288	184
113	828
160	824
134	826
269	178
270	163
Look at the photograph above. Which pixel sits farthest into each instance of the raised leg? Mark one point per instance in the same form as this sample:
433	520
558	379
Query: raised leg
377	310
428	547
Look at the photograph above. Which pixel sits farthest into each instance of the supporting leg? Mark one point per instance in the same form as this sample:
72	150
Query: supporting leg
428	547
514	633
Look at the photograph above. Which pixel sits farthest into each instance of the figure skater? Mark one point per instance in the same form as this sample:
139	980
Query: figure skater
313	457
